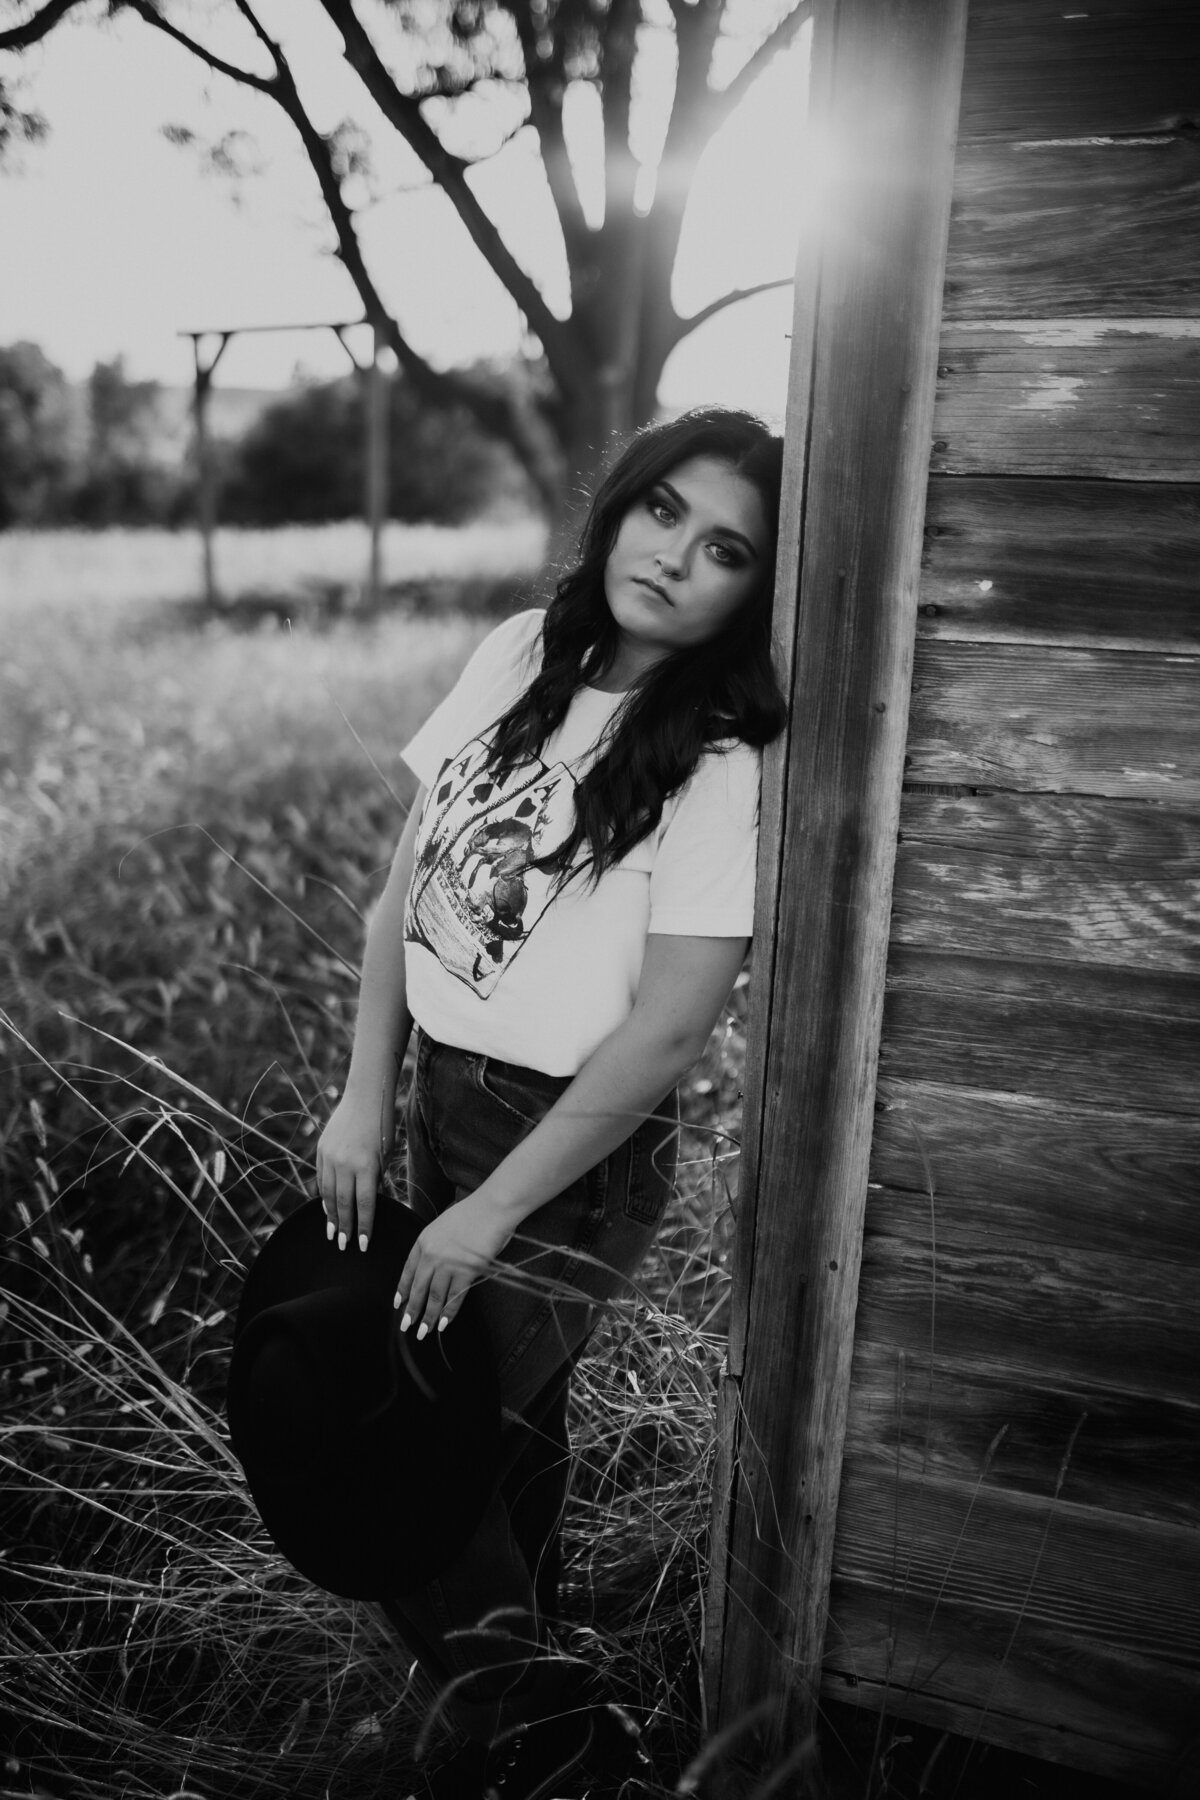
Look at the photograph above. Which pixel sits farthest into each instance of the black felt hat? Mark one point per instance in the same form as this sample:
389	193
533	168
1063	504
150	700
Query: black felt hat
369	1456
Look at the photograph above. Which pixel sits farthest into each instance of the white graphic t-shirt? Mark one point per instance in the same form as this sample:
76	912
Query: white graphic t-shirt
499	963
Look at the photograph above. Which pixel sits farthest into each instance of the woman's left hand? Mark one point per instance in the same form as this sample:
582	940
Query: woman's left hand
451	1253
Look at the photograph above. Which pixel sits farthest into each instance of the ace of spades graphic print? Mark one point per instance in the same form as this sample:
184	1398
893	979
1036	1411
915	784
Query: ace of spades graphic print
475	899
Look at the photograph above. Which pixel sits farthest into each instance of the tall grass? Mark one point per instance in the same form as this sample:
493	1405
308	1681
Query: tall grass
191	836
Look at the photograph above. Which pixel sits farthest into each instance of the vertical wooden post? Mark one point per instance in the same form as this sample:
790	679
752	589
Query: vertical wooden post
886	76
206	502
376	462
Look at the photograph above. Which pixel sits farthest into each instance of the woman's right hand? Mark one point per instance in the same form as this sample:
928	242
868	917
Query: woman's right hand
351	1154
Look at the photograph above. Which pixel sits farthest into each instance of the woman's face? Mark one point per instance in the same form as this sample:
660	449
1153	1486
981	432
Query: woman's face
686	558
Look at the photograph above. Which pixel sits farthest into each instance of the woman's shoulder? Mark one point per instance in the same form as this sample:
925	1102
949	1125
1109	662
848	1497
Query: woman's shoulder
738	760
515	635
724	785
509	655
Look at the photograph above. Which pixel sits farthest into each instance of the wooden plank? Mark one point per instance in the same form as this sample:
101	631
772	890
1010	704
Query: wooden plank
1099	1037
1090	563
1049	1693
1035	70
1139	1453
1045	1740
866	417
1039	231
1129	1584
1123	1324
1115	398
1086	721
1112	1179
953	897
1086	832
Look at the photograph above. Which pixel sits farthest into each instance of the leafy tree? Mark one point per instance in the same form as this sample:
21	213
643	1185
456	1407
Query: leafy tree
35	435
123	479
425	64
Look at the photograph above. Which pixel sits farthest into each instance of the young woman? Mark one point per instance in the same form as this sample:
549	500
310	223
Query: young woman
566	913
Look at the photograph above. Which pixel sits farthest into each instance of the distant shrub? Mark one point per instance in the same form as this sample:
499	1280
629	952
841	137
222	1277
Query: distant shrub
123	479
303	461
35	435
108	453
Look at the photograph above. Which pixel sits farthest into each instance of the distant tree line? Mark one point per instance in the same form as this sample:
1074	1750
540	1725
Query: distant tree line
103	455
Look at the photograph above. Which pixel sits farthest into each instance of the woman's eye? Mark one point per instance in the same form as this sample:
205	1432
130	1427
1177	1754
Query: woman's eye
727	557
662	510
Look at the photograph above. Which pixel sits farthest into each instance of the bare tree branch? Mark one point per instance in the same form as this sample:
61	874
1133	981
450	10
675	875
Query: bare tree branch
502	413
684	327
151	15
696	30
404	112
260	33
19	37
722	104
546	80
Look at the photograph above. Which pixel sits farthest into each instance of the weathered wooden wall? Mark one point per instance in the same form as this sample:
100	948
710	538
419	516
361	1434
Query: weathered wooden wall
1018	1537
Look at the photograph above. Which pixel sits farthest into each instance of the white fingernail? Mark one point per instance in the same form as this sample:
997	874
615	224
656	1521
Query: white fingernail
341	1240
363	1240
330	1228
443	1322
422	1328
405	1321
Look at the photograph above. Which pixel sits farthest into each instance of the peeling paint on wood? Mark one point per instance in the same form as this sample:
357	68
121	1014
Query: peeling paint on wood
1117	398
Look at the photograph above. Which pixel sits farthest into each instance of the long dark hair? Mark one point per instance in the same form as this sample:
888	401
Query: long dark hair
693	700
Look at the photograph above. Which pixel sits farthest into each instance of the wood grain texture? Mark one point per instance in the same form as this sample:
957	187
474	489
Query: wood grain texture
1121	1324
1121	723
1130	1584
1119	399
1049	1692
1005	1428
1036	71
1058	1031
1086	832
1075	228
1117	1181
964	899
866	416
1095	564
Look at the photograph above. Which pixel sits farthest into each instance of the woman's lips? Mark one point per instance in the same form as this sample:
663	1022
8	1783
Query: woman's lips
660	593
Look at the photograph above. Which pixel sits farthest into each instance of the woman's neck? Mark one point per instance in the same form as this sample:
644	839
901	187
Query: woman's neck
629	662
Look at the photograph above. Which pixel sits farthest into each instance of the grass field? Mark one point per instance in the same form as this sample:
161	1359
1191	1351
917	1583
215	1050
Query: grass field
123	567
194	819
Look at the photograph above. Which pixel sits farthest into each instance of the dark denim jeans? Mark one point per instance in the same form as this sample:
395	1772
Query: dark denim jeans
479	1630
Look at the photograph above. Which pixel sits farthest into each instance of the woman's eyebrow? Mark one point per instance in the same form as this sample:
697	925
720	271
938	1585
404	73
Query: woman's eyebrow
725	531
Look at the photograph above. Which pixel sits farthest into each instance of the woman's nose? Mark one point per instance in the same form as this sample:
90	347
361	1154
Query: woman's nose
670	561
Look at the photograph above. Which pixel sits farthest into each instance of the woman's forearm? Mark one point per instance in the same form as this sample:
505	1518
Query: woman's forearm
621	1083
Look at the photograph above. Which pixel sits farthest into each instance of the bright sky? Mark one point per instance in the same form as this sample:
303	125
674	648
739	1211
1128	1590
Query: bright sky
113	239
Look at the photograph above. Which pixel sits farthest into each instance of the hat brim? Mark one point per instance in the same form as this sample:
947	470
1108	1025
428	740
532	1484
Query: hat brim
365	1495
